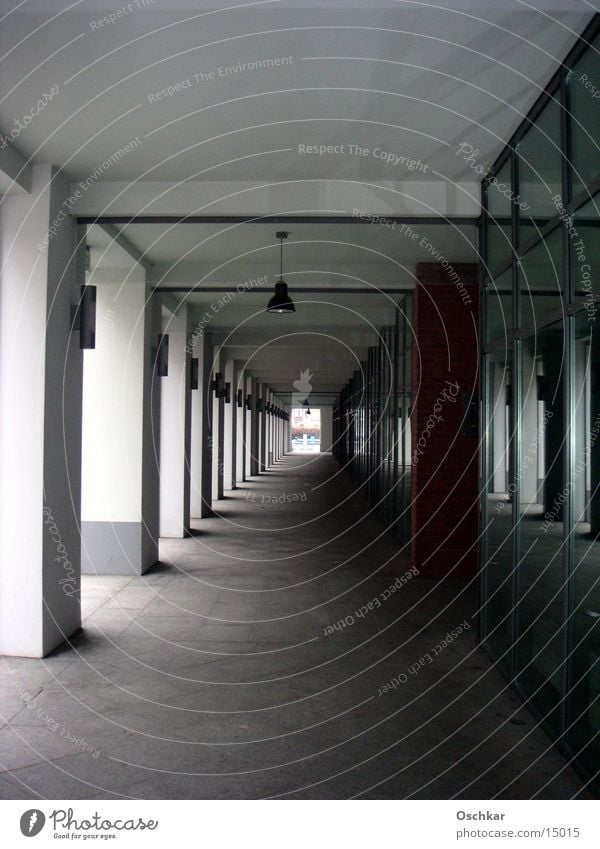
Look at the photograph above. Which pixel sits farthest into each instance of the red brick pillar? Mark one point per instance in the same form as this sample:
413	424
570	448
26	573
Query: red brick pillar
445	378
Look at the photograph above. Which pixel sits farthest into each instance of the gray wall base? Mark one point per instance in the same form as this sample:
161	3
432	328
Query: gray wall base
116	548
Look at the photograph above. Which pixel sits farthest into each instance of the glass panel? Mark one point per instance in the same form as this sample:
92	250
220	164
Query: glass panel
499	603
403	489
585	120
499	307
541	491
499	245
583	714
499	206
539	172
585	256
541	281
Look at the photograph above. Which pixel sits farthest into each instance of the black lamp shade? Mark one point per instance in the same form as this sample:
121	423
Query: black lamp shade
281	301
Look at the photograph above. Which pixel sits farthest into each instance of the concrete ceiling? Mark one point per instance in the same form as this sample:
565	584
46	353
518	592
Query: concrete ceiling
223	101
410	78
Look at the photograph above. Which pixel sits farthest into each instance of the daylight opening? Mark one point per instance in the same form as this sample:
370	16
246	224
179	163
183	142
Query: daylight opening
306	430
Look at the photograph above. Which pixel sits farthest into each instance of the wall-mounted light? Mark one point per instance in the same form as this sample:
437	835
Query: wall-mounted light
281	301
194	373
217	385
83	317
248	402
240	398
227	393
162	355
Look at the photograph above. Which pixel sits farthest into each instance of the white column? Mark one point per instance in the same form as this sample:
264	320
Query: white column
230	429
40	426
326	428
217	432
207	425
175	430
254	428
529	430
263	395
201	411
240	443
119	505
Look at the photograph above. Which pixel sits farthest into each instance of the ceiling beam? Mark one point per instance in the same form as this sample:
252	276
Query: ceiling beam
461	220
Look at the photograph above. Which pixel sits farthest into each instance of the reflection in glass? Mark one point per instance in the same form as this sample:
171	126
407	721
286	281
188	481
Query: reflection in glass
541	281
499	567
499	307
541	487
585	256
585	121
499	205
583	704
539	171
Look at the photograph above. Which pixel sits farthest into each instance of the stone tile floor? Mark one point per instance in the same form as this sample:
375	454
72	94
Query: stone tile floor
218	675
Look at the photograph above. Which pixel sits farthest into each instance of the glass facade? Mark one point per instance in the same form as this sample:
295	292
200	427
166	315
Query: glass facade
540	552
371	424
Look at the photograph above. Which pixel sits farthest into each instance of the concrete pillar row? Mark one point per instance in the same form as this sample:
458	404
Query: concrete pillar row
41	367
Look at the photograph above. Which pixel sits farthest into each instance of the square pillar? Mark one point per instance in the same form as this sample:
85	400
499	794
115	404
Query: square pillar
445	433
230	428
119	509
240	442
175	429
43	266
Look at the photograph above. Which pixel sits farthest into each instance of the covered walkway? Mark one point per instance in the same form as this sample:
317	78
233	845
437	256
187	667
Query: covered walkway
285	649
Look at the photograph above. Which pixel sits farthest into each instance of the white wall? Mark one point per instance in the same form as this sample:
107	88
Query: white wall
326	428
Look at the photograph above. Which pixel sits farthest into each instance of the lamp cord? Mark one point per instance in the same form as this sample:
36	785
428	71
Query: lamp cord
281	260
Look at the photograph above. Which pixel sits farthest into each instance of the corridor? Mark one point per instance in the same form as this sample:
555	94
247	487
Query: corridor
284	649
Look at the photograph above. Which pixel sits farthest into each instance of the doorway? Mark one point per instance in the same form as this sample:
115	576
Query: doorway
306	430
